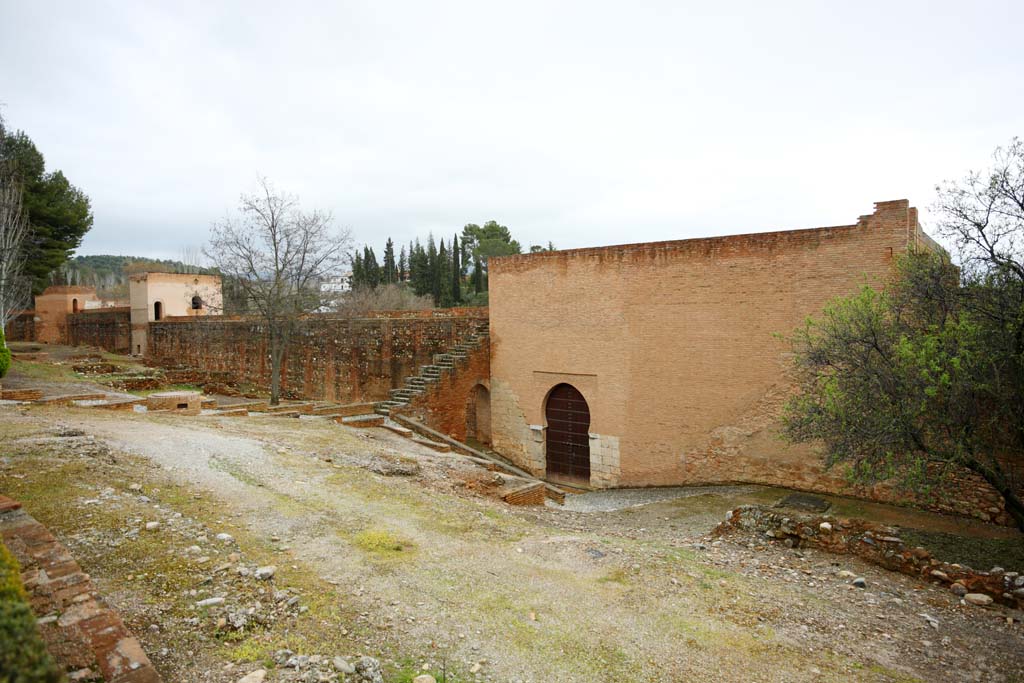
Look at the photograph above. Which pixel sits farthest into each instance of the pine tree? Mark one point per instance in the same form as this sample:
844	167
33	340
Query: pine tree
390	274
456	271
419	270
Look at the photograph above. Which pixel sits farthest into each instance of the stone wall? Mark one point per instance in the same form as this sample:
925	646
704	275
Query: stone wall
21	327
334	359
676	348
106	328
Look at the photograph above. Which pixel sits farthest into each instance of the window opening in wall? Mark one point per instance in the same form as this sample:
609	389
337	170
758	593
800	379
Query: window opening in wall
158	310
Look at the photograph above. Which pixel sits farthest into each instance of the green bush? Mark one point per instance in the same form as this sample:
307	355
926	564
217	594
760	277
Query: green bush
23	656
5	354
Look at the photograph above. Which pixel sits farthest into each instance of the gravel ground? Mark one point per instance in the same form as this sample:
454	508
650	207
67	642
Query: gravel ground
621	586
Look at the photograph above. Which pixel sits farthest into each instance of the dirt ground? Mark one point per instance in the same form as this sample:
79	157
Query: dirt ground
424	569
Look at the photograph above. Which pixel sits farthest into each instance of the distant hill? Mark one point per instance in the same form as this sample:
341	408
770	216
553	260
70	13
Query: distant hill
109	273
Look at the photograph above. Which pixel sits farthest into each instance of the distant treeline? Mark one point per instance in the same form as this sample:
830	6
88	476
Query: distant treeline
452	274
109	274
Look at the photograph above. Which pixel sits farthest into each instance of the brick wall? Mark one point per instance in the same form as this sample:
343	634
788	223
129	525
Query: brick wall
673	345
450	404
331	359
21	327
106	328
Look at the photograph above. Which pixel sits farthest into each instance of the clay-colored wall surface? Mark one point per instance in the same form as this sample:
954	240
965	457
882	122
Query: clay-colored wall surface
174	292
52	308
673	345
106	328
335	359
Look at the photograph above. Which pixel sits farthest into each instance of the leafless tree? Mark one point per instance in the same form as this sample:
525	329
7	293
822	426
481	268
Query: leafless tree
14	287
276	255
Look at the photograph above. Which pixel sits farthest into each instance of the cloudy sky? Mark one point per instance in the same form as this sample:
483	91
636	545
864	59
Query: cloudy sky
584	123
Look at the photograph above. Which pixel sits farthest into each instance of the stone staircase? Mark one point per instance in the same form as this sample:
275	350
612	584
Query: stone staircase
431	375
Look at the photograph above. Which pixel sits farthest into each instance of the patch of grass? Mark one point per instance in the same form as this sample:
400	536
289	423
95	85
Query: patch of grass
50	372
379	541
615	576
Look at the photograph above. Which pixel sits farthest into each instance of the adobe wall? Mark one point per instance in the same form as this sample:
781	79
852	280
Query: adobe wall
106	328
334	359
174	293
673	345
52	308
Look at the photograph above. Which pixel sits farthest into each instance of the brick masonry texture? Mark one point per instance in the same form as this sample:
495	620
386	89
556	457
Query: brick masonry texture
444	406
106	328
83	634
334	359
675	347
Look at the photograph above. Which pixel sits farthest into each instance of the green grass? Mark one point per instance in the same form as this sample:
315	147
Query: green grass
380	541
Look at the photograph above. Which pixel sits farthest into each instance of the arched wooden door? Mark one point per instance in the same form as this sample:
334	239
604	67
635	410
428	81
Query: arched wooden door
568	434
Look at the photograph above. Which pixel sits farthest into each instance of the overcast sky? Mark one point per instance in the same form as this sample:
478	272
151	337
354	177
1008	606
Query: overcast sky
585	123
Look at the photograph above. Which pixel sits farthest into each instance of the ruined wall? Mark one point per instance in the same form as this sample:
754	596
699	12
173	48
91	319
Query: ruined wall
332	359
445	405
21	327
106	328
673	345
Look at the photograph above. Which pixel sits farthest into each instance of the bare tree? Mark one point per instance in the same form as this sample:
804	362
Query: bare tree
277	255
14	286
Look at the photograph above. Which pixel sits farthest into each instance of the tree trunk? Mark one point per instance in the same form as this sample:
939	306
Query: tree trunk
275	370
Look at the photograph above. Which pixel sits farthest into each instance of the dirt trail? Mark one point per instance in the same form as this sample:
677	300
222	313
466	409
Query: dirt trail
545	596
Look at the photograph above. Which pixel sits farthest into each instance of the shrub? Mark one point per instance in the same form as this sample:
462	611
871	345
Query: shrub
5	355
23	656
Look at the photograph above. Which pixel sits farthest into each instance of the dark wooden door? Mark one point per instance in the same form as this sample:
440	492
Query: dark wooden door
568	433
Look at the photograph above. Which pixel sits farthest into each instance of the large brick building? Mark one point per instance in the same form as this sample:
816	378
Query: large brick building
660	363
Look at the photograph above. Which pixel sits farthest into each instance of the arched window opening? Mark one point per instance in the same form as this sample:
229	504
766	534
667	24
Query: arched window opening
197	303
158	310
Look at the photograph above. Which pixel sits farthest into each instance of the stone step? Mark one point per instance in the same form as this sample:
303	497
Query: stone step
230	412
368	420
398	429
404	394
21	394
285	413
439	447
382	410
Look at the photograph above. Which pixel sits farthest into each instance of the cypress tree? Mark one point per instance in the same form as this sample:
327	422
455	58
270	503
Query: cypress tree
390	270
456	271
402	266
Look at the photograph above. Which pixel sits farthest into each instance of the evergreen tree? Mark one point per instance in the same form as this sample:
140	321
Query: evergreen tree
371	268
432	279
419	270
390	274
402	266
477	278
444	280
456	271
358	278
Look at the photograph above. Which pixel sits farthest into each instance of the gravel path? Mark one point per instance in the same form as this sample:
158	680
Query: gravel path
619	586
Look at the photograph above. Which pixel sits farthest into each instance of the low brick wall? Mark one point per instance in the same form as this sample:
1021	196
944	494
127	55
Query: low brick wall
85	636
335	359
106	328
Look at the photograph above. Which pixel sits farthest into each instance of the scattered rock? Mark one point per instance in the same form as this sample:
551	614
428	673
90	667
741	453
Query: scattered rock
846	574
210	602
225	537
978	599
256	676
152	526
424	678
368	671
826	527
265	573
958	589
342	665
860	582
